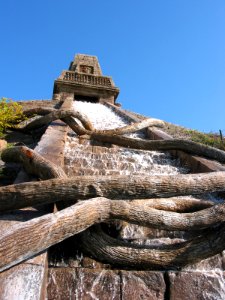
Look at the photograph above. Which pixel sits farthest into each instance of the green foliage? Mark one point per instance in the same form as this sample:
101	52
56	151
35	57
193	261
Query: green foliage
10	114
210	139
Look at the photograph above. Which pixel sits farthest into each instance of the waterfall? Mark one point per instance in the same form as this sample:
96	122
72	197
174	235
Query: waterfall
80	160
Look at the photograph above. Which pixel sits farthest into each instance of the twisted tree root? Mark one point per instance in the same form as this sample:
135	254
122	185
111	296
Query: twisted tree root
107	249
26	239
129	128
116	187
41	111
162	145
53	228
181	205
33	162
50	115
59	114
137	213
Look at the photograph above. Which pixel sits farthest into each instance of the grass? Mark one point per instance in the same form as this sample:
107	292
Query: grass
210	139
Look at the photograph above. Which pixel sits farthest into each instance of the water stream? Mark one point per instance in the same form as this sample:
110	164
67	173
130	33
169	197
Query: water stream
82	160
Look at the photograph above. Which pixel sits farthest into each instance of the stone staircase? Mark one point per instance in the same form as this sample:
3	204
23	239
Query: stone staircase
82	157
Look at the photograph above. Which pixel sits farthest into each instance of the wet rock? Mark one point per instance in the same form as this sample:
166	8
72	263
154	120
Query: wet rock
143	285
85	284
212	263
98	284
91	263
21	282
62	284
197	285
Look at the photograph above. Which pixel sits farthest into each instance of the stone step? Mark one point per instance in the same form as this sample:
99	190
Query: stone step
93	171
105	160
82	283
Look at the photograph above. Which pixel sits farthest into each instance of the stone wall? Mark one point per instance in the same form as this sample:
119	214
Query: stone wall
90	279
28	104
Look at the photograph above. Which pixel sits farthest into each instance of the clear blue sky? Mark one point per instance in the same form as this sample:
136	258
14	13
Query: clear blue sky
166	56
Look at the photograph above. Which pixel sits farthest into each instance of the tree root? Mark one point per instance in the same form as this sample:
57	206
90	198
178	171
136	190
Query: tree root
116	187
163	145
129	128
181	205
26	239
122	254
32	162
29	238
50	115
41	111
59	114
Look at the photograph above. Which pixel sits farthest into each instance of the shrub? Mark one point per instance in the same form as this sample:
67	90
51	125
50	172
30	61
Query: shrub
10	114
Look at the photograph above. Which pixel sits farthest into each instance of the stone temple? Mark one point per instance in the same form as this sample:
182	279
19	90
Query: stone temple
69	269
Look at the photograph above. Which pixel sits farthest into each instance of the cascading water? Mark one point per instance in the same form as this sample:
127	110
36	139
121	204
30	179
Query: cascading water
134	161
122	161
80	160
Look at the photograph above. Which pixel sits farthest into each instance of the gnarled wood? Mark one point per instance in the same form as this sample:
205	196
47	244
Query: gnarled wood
175	204
25	123
70	121
107	249
59	114
41	111
33	162
29	238
26	239
118	131
163	145
137	213
113	187
131	127
67	116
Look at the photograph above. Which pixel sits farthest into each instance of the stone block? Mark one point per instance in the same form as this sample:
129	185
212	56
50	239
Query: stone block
85	284
143	285
212	263
21	282
197	285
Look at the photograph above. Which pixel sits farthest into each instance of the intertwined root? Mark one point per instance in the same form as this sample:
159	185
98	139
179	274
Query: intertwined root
134	199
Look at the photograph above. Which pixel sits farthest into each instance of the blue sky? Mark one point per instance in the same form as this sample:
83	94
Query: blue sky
166	56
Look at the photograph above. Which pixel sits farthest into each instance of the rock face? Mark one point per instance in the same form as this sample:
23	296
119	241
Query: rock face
197	285
142	285
80	283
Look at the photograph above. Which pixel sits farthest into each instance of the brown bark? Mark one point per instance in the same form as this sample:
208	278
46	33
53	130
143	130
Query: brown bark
137	213
107	249
41	111
121	130
113	187
175	204
130	128
29	238
32	162
24	124
26	239
59	114
70	121
163	145
117	131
